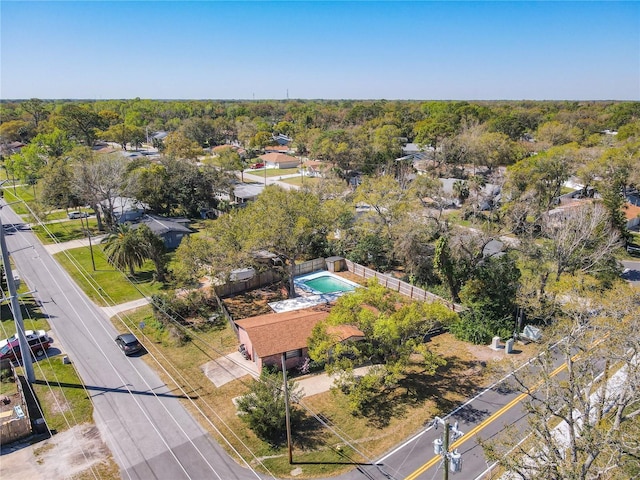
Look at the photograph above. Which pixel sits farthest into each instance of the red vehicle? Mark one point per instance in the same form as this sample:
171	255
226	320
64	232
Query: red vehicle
38	340
257	165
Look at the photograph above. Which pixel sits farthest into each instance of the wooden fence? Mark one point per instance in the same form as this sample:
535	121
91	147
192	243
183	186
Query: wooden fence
258	280
310	266
399	286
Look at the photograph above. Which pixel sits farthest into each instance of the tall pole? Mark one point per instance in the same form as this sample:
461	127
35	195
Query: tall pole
17	313
93	262
445	447
286	407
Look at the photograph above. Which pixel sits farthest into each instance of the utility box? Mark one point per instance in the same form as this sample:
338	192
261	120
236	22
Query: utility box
509	346
437	446
455	465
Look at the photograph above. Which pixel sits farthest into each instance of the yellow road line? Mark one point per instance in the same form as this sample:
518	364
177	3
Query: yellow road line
481	426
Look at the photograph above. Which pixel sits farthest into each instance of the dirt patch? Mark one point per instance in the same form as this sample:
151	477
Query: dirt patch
255	302
70	454
57	402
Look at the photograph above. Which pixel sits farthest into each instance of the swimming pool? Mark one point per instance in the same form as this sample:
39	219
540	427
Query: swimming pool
324	282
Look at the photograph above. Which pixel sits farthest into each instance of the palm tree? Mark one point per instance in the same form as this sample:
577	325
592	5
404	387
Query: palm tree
154	250
461	190
125	248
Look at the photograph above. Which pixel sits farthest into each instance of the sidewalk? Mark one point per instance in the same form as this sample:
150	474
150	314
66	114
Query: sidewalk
82	242
112	310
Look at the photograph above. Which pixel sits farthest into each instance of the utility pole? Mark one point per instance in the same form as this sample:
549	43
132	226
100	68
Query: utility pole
441	447
25	350
286	407
93	262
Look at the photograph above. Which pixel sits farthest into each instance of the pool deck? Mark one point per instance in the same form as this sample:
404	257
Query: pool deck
301	302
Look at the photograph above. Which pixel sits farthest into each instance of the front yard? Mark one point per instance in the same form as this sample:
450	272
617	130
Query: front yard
316	449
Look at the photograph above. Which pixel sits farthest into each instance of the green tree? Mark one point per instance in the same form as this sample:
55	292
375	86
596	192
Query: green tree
263	408
123	134
80	121
154	250
56	186
387	203
125	248
37	109
285	222
194	258
177	145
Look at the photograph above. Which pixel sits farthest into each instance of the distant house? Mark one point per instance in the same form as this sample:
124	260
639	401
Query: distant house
246	192
281	139
267	337
171	230
159	136
277	149
632	214
7	149
218	149
279	160
312	168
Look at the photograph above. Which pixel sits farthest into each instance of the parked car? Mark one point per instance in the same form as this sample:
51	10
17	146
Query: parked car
128	343
38	341
257	165
76	215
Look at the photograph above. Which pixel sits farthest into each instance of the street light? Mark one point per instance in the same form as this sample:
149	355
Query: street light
450	460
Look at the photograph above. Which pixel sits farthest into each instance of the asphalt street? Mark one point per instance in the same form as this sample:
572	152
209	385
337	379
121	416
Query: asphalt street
151	434
141	419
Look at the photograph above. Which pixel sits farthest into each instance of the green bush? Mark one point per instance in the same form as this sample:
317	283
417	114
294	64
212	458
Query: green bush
476	327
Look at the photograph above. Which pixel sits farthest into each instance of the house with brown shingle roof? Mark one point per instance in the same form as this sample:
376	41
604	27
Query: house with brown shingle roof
267	337
279	160
632	214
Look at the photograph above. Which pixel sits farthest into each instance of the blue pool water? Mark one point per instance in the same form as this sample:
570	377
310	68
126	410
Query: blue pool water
328	284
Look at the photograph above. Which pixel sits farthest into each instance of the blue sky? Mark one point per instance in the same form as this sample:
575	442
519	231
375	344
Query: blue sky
331	50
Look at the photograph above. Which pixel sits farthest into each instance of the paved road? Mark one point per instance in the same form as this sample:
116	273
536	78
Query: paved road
632	272
149	432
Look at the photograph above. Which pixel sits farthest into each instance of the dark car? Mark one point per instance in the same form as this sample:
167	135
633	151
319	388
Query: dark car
38	341
128	343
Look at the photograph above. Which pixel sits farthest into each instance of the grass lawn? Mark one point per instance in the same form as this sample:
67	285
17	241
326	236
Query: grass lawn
65	231
105	281
318	451
23	193
300	181
272	172
61	394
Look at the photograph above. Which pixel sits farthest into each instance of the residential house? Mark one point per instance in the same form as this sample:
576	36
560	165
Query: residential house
312	168
277	149
632	214
279	160
10	148
281	139
267	337
171	230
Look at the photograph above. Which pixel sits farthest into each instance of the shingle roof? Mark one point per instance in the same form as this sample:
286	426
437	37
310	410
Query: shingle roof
345	332
631	211
160	225
277	158
276	333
